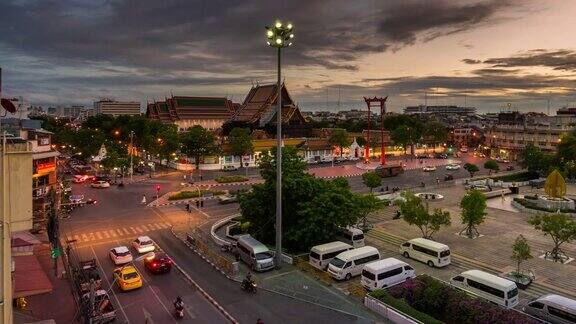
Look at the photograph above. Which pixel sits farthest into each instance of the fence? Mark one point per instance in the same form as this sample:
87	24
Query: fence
203	247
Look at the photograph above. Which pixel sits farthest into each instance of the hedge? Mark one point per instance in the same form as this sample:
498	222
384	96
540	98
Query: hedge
193	194
383	296
451	305
531	205
517	177
230	179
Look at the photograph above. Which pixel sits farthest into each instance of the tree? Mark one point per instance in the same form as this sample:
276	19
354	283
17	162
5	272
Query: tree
167	142
240	141
371	180
339	138
560	227
473	210
520	252
314	210
366	205
531	158
435	131
361	141
197	142
491	165
471	168
416	213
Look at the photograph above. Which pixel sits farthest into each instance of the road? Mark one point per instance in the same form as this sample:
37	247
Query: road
119	217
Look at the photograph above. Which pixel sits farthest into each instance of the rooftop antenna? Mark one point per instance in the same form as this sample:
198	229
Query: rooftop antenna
548	103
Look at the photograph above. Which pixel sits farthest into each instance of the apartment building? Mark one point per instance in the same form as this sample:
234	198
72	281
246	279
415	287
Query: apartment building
508	139
117	108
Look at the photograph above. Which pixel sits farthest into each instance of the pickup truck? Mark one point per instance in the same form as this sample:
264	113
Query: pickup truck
99	308
88	272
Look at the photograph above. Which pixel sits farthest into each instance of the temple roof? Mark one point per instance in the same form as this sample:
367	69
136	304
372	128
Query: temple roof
183	107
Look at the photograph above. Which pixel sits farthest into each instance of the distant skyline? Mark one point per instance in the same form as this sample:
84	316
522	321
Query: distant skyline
485	53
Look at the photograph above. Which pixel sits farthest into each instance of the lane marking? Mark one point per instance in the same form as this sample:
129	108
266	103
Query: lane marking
120	233
125	230
133	230
145	228
110	285
139	229
105	234
85	238
113	233
157	226
98	235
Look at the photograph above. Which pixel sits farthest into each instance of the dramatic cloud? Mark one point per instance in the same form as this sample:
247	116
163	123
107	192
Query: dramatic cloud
561	60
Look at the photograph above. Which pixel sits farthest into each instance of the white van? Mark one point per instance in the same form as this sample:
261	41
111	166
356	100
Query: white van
554	309
321	255
432	253
353	236
385	273
488	286
254	253
350	263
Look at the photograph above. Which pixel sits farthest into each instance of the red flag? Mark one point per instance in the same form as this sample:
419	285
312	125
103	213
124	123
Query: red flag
8	105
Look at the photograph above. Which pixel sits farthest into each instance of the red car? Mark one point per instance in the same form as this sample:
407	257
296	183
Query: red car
158	262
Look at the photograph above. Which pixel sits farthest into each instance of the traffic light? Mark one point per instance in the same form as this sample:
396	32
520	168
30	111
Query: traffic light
157	187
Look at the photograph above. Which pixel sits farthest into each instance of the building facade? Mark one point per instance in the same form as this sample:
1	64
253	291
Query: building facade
117	108
508	140
423	109
185	111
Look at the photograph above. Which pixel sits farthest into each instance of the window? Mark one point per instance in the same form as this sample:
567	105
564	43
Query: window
347	265
367	259
331	254
244	249
562	314
408	268
406	244
390	273
444	254
368	275
537	305
424	250
347	236
458	278
513	293
486	288
315	255
358	237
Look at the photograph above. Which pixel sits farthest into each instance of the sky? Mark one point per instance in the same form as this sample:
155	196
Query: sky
476	53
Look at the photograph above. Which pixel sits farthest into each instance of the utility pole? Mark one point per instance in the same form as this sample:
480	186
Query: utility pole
131	154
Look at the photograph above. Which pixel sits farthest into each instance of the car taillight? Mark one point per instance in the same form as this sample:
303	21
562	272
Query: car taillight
154	264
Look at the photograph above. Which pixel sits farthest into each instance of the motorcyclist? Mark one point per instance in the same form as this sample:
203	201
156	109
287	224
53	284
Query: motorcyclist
248	280
178	304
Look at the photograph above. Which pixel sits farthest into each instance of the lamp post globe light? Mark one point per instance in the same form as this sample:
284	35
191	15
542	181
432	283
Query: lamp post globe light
279	36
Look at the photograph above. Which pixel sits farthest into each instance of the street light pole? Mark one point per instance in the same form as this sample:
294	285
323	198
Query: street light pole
279	36
131	154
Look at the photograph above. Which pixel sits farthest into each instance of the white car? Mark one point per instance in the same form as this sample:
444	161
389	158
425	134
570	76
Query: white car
143	244
100	184
453	166
477	187
429	168
120	255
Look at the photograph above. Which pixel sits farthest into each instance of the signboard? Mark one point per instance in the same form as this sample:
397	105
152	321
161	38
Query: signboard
44	141
45	167
246	158
55	253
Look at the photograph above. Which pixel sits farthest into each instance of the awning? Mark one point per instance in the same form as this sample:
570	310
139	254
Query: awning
29	277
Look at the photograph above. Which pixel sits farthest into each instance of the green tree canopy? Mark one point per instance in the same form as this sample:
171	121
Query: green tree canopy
435	131
560	227
491	165
520	251
361	141
371	180
198	142
340	139
471	168
473	210
313	209
416	213
240	141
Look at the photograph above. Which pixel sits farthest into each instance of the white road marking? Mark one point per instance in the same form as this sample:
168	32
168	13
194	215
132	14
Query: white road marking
77	238
112	233
139	229
133	230
157	226
98	235
145	228
105	234
120	233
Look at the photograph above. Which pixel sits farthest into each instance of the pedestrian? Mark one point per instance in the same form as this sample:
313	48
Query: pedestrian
200	177
437	181
188	207
143	199
386	188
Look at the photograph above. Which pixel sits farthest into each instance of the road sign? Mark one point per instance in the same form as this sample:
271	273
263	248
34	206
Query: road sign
55	253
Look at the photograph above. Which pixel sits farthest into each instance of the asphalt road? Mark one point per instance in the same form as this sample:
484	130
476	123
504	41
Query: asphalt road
119	217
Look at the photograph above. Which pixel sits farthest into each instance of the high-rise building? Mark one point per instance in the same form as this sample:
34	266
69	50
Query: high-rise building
117	108
422	109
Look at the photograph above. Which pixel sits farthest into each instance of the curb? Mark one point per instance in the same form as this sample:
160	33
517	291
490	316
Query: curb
202	291
178	202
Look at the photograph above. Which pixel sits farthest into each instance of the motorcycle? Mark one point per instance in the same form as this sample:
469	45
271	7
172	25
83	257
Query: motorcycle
249	286
179	310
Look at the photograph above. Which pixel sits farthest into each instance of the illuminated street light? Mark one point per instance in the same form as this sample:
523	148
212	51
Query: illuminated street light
279	36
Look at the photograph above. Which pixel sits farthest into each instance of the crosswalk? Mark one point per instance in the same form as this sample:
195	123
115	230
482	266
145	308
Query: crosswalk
119	232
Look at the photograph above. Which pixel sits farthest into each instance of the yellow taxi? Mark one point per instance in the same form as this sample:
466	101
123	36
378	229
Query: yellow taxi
128	278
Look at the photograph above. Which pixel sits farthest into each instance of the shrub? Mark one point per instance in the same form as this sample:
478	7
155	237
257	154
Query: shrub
531	197
517	177
532	205
450	305
194	194
230	179
402	306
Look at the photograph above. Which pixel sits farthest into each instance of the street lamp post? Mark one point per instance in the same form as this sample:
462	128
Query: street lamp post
279	36
131	154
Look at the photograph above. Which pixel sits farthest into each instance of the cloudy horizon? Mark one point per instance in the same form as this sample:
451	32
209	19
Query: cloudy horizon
479	53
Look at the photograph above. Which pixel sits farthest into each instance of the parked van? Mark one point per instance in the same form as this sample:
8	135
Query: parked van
432	253
385	273
554	309
350	263
488	286
353	236
321	255
254	253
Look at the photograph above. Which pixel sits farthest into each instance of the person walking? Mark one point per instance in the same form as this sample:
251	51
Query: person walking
143	199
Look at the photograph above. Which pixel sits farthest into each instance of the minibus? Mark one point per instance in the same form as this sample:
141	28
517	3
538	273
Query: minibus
385	273
432	253
254	253
352	236
554	309
321	255
488	286
350	263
